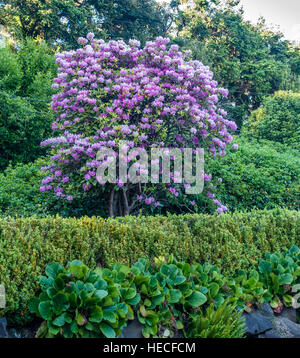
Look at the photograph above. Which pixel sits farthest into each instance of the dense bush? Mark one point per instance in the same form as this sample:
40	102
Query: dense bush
113	94
26	74
277	119
250	60
261	174
231	241
20	195
19	190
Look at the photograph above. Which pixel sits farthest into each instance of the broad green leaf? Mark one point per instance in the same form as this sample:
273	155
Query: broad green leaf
101	294
53	269
196	299
264	267
286	279
135	300
107	331
175	296
80	319
109	316
45	310
96	315
59	321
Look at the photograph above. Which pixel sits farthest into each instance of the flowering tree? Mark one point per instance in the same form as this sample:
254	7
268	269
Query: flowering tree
146	97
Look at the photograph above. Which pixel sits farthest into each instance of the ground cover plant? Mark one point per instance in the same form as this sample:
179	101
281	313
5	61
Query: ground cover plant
166	295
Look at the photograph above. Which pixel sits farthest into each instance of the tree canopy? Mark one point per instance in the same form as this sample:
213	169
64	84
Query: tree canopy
62	22
250	60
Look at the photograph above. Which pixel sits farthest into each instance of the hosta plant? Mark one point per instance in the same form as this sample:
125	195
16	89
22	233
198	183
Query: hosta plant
80	303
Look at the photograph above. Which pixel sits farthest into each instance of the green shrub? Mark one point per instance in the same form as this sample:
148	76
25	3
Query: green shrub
26	75
277	119
230	241
259	175
20	195
224	322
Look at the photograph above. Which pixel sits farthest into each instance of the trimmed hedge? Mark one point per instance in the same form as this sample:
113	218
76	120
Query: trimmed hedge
231	241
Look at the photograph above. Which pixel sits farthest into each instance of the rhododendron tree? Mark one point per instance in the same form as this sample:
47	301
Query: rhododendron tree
155	96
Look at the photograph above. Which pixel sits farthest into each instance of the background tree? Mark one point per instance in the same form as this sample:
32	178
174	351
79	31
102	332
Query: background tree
26	74
250	60
62	22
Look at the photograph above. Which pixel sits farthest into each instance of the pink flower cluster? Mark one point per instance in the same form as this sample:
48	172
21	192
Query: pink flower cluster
150	96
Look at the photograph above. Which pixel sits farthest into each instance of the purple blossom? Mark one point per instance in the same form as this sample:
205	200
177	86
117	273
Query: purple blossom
142	92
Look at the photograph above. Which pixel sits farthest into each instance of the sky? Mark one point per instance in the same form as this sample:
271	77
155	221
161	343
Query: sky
285	13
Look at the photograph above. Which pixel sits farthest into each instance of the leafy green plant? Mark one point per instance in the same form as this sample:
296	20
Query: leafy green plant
168	296
167	293
25	93
212	282
78	302
20	195
247	289
279	272
224	322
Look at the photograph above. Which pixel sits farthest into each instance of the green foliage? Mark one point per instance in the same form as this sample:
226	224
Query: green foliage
279	272
168	292
250	60
79	303
224	322
19	191
248	289
231	241
211	282
20	195
166	295
62	22
260	174
10	70
277	119
25	86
